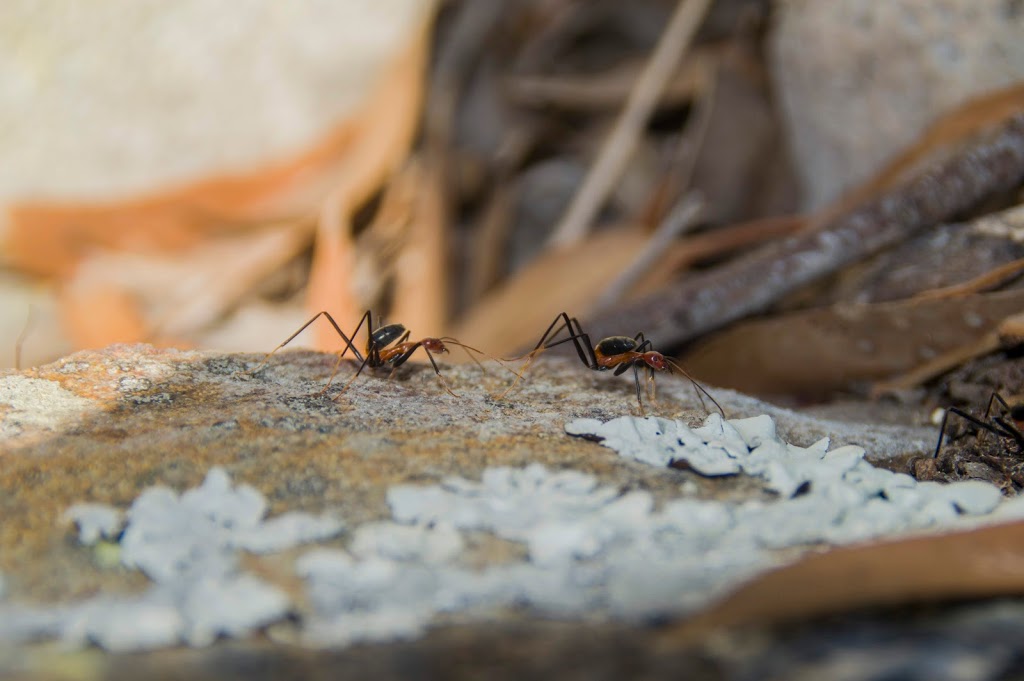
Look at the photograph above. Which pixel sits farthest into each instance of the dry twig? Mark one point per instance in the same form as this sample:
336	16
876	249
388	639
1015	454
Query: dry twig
752	283
616	150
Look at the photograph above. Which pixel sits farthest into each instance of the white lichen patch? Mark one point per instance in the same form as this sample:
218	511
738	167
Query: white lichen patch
825	496
95	521
32	404
589	551
188	545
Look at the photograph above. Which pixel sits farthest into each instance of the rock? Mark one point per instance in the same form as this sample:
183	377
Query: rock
858	81
468	507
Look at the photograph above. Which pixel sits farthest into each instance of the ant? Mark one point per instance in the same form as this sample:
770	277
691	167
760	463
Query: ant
618	353
388	344
1006	425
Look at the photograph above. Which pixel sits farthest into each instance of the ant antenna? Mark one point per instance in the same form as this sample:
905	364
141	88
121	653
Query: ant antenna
698	388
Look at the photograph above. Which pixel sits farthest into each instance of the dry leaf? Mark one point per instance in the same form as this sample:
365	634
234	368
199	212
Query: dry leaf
815	351
126	297
380	141
421	272
980	563
514	315
158	209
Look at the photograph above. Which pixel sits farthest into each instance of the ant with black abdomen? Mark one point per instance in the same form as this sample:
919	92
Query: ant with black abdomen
617	353
386	345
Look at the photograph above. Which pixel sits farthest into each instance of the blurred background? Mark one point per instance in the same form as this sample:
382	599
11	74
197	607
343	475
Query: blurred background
210	175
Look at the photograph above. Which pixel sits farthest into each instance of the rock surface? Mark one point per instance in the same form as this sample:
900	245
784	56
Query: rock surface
103	427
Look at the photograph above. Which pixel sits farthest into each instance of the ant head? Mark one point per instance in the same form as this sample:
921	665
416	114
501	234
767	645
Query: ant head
434	345
655	360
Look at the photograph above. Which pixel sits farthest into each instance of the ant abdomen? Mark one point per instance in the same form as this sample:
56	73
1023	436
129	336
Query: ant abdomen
615	345
385	336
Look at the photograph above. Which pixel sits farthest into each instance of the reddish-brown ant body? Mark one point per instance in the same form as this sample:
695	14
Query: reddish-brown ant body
615	353
386	345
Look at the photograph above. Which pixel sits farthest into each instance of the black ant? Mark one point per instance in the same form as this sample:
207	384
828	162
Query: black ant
1005	425
618	353
386	345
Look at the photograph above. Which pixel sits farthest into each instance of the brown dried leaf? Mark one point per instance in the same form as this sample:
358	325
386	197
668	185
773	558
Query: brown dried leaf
421	274
127	297
815	351
380	142
513	315
981	563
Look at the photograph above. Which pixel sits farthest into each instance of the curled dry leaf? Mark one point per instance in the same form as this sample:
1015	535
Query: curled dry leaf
126	297
981	563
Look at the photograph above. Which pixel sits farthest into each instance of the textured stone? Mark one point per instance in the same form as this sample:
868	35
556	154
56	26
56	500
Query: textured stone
197	449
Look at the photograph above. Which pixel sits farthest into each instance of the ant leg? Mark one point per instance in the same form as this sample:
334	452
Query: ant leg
574	338
402	359
348	384
584	348
470	350
552	332
367	317
325	313
996	398
437	371
643	344
967	417
1011	430
636	380
570	324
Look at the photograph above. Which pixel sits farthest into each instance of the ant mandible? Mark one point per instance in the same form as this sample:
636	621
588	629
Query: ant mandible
618	353
386	345
1005	425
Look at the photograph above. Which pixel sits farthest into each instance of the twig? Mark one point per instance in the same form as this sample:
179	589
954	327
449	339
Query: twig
682	218
989	280
617	149
750	284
